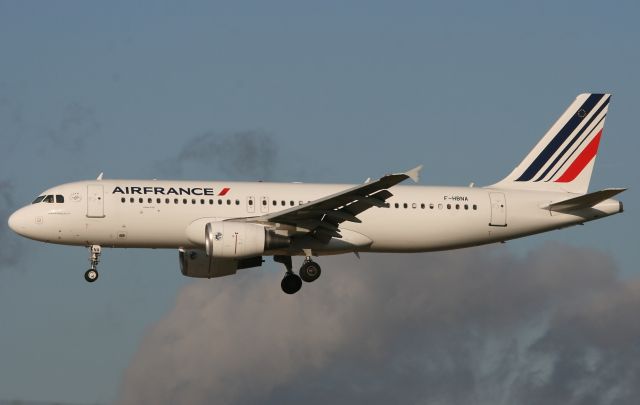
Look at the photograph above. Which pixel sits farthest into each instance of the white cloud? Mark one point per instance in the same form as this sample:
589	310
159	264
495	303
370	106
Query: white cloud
478	326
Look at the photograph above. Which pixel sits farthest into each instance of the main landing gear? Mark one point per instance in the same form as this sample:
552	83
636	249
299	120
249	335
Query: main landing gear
291	283
91	275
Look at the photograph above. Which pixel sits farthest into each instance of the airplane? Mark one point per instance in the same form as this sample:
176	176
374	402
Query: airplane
219	227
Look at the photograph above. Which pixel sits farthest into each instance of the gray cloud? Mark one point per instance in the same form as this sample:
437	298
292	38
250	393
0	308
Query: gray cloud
473	326
248	155
77	124
10	245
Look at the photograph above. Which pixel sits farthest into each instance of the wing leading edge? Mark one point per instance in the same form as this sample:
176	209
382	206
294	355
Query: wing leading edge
322	217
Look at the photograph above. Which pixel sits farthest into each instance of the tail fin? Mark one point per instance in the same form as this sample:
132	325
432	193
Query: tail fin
563	160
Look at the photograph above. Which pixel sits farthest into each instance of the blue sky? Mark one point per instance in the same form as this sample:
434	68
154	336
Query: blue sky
345	90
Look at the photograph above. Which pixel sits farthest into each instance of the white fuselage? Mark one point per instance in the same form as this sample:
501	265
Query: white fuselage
173	214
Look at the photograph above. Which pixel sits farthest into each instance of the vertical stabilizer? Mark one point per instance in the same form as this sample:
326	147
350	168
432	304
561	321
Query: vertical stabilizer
563	160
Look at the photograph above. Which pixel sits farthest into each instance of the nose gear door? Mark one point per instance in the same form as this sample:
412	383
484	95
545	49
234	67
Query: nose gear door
95	201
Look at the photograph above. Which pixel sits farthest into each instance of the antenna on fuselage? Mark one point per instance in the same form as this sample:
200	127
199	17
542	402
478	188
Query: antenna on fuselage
100	176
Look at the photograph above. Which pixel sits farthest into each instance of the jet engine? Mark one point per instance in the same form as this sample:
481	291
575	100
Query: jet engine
237	240
196	263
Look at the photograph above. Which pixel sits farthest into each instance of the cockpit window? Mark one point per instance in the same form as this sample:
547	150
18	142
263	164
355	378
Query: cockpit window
59	198
48	199
38	199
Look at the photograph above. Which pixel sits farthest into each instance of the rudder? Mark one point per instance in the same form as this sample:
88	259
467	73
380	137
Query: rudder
563	159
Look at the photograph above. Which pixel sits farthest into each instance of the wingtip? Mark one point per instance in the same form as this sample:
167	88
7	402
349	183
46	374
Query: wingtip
414	174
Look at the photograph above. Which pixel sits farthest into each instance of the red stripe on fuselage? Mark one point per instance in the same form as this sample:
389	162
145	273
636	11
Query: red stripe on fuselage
224	191
581	161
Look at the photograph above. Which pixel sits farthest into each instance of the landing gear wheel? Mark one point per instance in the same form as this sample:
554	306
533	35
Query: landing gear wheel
291	283
310	271
91	275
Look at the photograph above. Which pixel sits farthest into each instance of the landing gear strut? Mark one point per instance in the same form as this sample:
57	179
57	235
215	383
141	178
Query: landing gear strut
91	275
291	283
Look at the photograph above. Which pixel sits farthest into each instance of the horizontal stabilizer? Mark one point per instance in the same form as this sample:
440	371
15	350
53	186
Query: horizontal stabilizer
585	201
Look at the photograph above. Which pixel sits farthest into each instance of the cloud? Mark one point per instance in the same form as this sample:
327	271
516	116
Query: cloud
249	155
472	326
10	245
77	124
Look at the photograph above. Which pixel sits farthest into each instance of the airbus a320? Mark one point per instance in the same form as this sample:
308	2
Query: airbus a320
219	227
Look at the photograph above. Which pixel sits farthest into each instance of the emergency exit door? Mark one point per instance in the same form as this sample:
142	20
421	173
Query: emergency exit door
498	209
95	201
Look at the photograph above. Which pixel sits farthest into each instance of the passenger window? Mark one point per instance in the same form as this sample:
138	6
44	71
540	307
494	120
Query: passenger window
274	203
237	202
210	202
283	203
193	201
405	205
439	206
264	202
59	199
166	201
131	200
149	200
123	199
397	205
175	200
422	205
250	202
140	200
466	206
184	200
228	202
291	203
457	206
475	207
158	201
431	206
413	205
219	202
448	206
202	201
38	199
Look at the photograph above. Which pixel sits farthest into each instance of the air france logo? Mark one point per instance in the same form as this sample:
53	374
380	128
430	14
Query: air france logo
169	191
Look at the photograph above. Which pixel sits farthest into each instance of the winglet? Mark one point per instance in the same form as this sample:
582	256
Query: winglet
414	174
100	176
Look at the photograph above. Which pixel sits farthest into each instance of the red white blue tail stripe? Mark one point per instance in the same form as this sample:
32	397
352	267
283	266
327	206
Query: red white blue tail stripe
567	151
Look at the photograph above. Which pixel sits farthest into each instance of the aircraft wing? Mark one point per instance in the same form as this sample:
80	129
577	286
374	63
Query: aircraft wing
324	215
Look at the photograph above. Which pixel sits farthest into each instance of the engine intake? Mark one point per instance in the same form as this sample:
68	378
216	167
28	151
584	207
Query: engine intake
228	239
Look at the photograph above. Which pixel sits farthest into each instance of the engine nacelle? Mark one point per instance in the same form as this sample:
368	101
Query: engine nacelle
236	240
196	263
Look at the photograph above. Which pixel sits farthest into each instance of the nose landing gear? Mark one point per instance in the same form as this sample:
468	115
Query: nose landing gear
91	275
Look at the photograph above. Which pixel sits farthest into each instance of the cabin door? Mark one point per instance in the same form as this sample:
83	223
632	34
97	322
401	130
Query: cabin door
95	201
498	209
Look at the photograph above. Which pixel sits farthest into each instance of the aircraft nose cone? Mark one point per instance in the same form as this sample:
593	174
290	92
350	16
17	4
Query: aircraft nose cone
12	222
15	221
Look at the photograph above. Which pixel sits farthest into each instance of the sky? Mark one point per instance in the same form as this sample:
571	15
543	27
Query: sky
316	92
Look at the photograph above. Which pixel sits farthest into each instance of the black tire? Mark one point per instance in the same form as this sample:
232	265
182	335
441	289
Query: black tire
291	283
310	271
91	275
